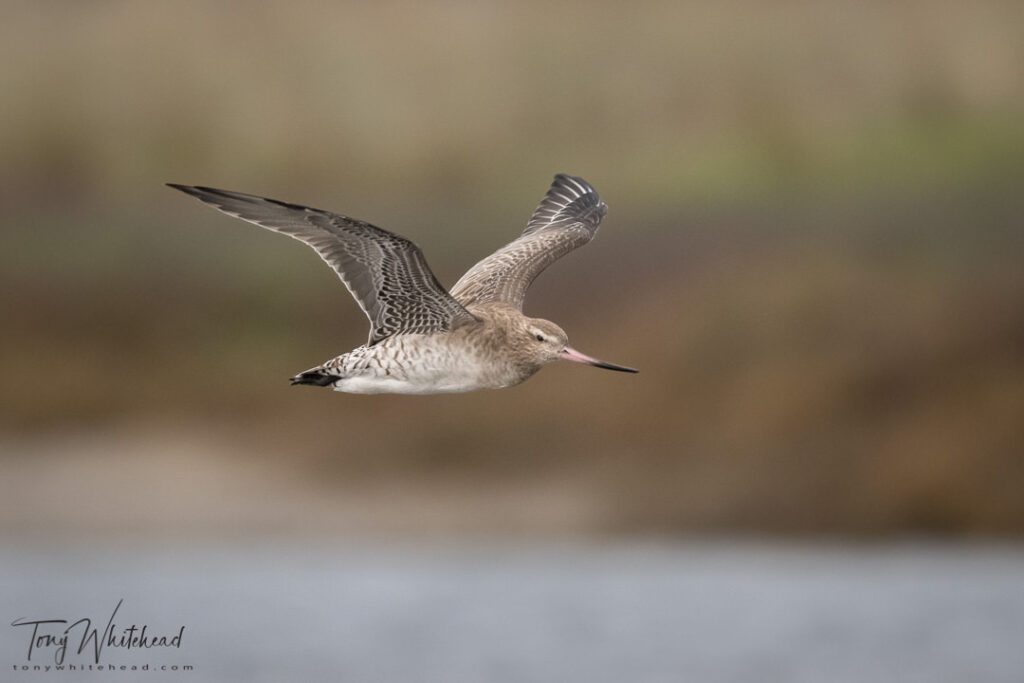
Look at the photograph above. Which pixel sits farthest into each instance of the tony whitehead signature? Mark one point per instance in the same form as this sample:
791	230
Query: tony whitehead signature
53	635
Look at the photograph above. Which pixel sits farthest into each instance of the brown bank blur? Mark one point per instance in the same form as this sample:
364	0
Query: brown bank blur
813	254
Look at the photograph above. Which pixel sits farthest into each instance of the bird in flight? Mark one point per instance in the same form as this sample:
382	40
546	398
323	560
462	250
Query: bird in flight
424	340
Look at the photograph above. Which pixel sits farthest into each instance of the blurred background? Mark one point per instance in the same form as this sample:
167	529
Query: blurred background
812	253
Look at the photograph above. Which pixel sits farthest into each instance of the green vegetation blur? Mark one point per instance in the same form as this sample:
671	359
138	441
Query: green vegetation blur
813	250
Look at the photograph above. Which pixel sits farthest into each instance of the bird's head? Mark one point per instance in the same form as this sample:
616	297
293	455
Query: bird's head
546	342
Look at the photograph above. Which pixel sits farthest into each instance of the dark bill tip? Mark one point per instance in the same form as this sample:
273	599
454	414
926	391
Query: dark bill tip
613	366
572	354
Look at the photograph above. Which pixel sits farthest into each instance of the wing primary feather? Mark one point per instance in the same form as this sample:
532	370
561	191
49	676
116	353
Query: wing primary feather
366	258
567	217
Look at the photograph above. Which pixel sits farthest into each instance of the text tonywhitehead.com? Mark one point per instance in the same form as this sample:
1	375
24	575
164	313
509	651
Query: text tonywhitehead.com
102	667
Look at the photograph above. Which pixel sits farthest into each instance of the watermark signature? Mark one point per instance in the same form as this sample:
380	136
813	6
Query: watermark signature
53	637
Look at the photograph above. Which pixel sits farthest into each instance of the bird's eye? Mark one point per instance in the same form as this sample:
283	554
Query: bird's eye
540	338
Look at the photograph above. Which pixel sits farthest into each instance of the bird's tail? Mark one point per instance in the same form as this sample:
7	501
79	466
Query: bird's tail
318	377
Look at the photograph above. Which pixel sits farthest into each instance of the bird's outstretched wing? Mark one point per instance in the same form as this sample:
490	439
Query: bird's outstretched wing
567	218
385	272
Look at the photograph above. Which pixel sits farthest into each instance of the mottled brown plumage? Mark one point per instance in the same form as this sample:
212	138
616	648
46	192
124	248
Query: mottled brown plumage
423	339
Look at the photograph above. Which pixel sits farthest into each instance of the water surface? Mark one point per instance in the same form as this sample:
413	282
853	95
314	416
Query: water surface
700	612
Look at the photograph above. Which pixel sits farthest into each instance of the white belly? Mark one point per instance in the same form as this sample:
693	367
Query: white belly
390	385
414	364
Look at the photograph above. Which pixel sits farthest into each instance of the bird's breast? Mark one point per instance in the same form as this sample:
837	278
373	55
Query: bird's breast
424	364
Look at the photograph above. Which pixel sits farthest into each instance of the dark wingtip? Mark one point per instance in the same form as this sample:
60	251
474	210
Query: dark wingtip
577	184
187	189
218	197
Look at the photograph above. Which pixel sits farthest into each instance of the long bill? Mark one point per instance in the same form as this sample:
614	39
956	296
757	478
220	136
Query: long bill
569	353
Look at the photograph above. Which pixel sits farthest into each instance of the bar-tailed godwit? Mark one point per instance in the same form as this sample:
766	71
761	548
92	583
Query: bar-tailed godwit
424	340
